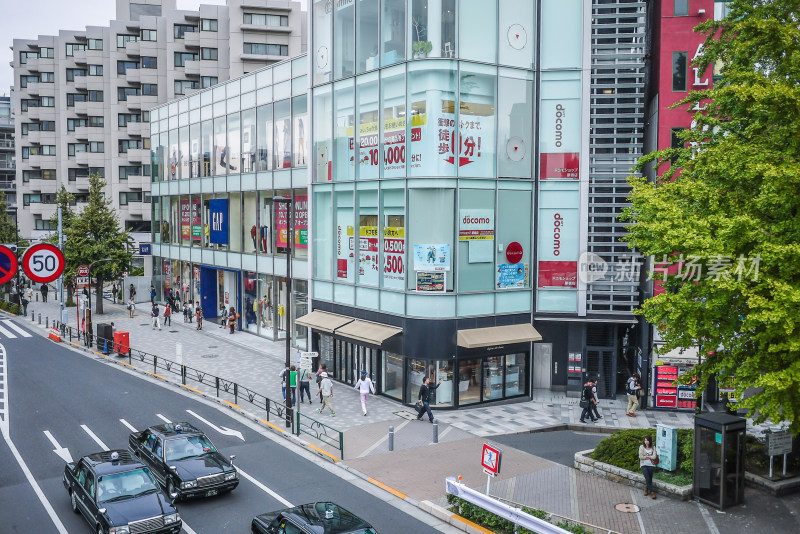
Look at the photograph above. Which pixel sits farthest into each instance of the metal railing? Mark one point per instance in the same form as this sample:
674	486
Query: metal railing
322	432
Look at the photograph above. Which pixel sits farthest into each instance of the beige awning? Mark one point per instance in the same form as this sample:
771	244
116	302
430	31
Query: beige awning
497	335
372	333
323	321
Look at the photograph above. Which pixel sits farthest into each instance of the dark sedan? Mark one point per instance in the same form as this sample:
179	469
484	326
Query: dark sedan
313	518
118	495
184	461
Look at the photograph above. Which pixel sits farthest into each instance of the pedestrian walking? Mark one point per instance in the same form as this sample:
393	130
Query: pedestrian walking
323	370
190	312
24	301
587	399
425	397
289	375
198	311
167	315
154	315
632	388
29	293
326	390
44	291
305	382
648	460
232	317
131	292
114	293
596	402
365	387
131	306
176	300
223	316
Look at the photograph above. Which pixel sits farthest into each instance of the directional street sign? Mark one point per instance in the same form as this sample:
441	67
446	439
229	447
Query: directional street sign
8	264
43	263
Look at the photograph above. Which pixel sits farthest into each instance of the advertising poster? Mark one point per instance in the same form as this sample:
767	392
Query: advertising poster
218	233
345	252
560	131
558	237
300	222
558	274
190	219
430	281
475	224
512	275
368	255
394	251
431	257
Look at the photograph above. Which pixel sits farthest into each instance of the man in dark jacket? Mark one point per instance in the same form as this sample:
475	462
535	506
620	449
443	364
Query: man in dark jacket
425	397
587	400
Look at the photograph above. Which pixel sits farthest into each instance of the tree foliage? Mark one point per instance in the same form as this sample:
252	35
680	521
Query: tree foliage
734	192
8	228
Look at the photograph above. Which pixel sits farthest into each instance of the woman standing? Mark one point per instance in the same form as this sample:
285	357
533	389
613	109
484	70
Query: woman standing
232	316
648	459
198	310
131	306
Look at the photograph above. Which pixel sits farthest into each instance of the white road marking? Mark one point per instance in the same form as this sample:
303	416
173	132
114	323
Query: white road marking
4	429
13	326
712	528
265	489
222	430
163	418
95	438
375	445
443	434
634	492
187	529
62	452
6	333
127	424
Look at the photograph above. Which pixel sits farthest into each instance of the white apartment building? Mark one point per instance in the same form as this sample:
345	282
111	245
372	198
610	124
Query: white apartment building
83	97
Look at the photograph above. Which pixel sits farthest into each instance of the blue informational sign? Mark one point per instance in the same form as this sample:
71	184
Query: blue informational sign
511	275
145	249
218	230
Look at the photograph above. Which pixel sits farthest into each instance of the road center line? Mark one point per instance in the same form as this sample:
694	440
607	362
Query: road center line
265	489
163	418
95	438
128	425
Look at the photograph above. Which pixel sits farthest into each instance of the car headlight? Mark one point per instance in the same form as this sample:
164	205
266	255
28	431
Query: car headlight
230	476
189	484
171	518
119	530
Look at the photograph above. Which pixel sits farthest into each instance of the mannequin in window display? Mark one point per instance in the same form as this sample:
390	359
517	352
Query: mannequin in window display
253	233
265	309
173	164
223	162
301	154
287	145
263	234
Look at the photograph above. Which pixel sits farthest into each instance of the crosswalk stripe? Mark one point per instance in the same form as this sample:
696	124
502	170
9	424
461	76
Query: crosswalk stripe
11	324
95	438
6	333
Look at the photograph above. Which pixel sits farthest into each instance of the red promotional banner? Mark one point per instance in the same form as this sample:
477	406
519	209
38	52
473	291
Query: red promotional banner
558	165
300	222
558	274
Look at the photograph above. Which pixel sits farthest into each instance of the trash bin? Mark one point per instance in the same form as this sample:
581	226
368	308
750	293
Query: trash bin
122	342
719	450
105	337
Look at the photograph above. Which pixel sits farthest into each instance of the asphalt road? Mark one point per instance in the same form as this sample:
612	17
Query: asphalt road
82	402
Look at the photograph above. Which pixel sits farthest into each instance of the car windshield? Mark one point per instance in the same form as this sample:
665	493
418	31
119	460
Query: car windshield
121	486
188	447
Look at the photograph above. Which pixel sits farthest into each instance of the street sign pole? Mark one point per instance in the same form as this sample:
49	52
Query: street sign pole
61	277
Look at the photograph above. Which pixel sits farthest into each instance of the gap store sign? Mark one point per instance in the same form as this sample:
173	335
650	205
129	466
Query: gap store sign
218	232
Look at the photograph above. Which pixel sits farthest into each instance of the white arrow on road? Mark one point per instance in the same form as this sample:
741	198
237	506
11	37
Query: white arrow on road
62	452
221	429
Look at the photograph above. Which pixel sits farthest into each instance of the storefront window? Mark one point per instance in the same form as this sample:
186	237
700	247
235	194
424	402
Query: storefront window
469	382
431	220
393	244
493	371
344	236
432	28
282	302
323	242
513	225
392	32
393	93
194	150
300	303
478	30
432	108
476	243
515	374
173	155
186	221
367	30
165	219
183	153
369	163
207	149
343	141
250	220
232	157
220	148
300	224
158	277
343	39
475	148
249	140
442	371
155	217
514	137
251	299
235	229
326	353
175	221
283	134
321	12
367	260
265	222
299	121
266	311
265	137
392	374
323	125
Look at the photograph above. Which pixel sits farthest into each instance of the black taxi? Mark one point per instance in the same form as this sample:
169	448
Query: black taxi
118	495
184	461
312	518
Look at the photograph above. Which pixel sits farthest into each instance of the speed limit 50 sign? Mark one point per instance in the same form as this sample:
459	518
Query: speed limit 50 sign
43	263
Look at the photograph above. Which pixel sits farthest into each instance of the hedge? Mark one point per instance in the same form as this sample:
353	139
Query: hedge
10	307
498	525
621	449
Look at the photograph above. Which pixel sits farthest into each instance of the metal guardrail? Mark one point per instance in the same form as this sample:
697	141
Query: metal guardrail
322	432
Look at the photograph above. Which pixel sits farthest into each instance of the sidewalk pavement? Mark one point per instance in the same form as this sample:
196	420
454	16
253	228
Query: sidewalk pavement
417	467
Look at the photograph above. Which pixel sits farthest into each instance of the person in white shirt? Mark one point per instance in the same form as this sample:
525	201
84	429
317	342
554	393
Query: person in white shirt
365	386
326	388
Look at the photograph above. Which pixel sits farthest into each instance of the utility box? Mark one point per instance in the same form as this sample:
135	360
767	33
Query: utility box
719	450
122	342
667	447
105	337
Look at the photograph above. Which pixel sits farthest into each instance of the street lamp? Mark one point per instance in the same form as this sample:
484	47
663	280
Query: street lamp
287	310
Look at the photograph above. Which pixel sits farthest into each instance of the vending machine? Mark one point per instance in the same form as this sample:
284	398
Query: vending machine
667	392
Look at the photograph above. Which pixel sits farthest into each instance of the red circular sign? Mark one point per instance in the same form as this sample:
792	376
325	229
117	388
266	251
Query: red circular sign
83	270
43	263
8	264
514	252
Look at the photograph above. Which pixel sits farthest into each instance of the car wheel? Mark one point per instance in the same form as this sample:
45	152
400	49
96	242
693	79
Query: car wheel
100	530
73	501
171	490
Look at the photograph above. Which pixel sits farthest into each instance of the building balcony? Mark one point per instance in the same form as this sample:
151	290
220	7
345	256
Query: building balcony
79	56
271	5
139	155
137	208
82	83
7	187
37	208
133	76
35	161
7	144
192	68
8	165
191	39
82	158
32	64
33	113
266	29
34	137
46	186
132	49
81	183
33	88
134	103
138	129
82	108
137	181
264	58
82	133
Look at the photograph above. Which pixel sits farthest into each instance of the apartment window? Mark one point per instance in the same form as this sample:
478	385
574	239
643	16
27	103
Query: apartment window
95	70
149	35
182	85
128	144
124	118
74	73
23	57
95	96
208	53
95	44
47	77
208	25
75	123
43	126
145	170
123	66
47	150
150	89
96	122
126	197
721	9
44	224
74	47
261	19
124	92
27	176
266	49
680	8
181	29
675	142
75	97
145	116
679	71
74	174
138	226
149	62
25	79
129	170
74	148
208	81
47	52
182	57
48	174
25	103
123	39
48	101
97	146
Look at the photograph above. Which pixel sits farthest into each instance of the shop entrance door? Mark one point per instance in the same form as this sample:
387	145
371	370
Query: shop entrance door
542	365
601	363
208	290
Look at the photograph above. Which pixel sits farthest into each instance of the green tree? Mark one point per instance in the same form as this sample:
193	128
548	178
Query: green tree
734	192
8	227
94	235
64	200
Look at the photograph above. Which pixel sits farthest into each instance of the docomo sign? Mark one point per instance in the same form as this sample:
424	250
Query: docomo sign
43	263
558	222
